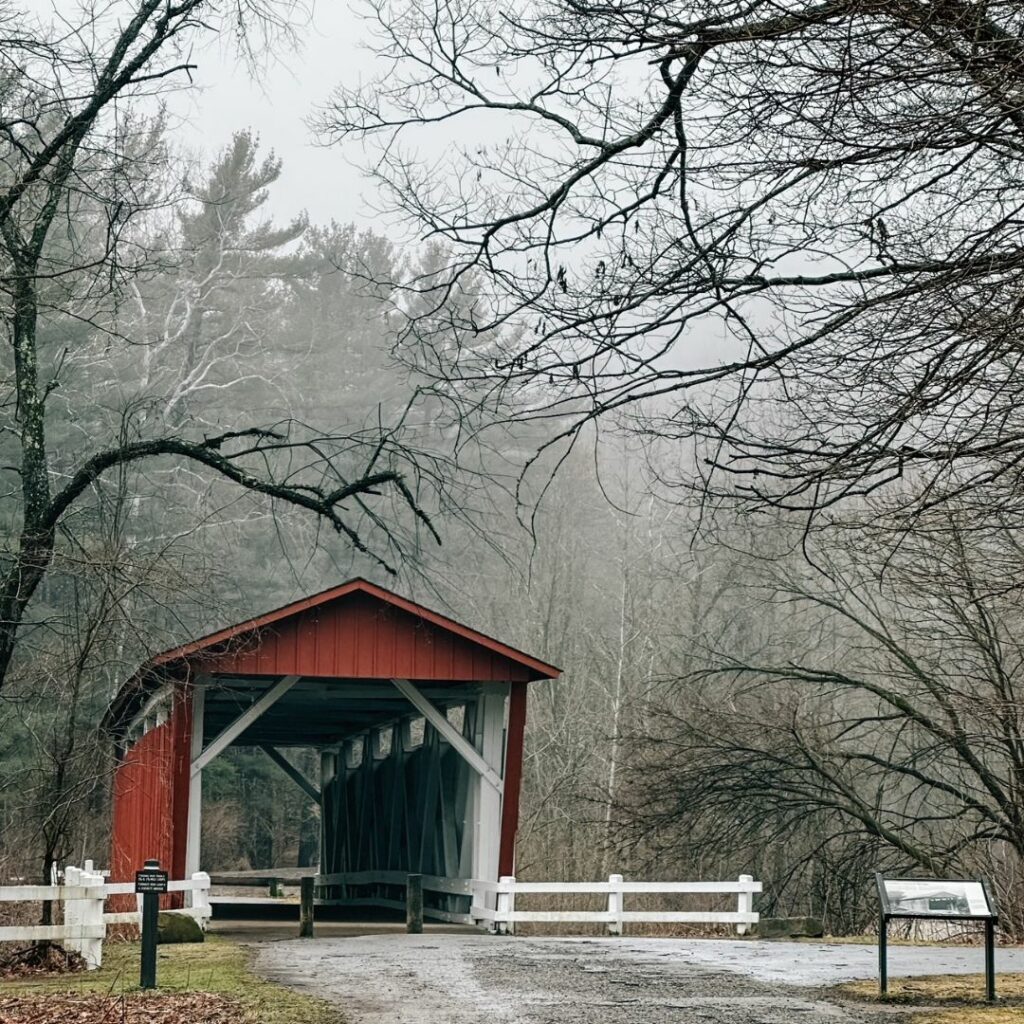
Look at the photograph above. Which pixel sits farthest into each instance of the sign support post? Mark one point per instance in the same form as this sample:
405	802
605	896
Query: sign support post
990	960
883	953
150	883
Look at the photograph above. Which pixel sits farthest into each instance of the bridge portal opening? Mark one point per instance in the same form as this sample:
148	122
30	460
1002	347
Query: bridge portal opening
417	722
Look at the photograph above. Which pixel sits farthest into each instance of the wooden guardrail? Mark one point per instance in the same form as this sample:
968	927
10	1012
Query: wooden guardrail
348	880
494	903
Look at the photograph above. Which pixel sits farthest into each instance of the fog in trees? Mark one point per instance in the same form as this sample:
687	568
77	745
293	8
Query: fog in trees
712	402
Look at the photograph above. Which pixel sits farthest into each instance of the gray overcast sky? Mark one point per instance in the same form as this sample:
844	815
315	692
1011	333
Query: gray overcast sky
322	181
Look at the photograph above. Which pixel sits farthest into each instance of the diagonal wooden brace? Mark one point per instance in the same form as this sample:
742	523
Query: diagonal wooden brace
292	772
440	722
242	722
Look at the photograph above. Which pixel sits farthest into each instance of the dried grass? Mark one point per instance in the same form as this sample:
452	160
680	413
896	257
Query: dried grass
949	999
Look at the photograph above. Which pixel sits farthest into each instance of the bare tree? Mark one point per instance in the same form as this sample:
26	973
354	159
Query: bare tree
201	325
788	229
72	190
881	727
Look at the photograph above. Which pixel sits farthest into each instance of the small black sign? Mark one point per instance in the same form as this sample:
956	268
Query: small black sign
151	881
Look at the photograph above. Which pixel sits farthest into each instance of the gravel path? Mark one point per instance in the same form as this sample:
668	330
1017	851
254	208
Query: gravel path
470	979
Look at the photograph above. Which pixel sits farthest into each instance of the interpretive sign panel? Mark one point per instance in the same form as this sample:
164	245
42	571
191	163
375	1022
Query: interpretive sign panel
927	897
950	899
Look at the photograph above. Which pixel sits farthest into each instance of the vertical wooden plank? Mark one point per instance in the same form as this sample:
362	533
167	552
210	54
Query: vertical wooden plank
193	852
328	812
306	908
513	777
431	769
447	823
325	641
744	905
467	795
615	905
487	801
396	800
414	904
182	755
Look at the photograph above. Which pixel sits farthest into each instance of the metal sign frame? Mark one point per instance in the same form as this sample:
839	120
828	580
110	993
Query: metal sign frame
886	913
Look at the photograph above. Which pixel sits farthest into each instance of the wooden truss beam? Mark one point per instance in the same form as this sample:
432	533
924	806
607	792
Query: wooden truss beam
292	772
449	733
230	733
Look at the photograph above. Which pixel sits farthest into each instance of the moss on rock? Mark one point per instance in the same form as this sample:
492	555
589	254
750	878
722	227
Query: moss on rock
172	929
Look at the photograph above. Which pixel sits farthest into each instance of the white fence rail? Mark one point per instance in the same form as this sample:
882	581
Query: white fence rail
504	916
84	895
494	903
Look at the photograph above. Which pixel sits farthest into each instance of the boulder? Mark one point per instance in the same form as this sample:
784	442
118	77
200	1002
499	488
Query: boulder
174	928
790	928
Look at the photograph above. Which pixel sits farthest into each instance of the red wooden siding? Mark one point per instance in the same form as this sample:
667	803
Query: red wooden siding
360	637
151	798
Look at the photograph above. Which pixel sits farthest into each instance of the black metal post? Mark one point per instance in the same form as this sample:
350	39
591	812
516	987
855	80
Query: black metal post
150	921
414	904
883	954
990	960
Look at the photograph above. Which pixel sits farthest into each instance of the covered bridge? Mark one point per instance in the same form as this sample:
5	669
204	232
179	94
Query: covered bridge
418	721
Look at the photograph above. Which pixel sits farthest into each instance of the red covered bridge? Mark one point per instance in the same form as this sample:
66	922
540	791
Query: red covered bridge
418	720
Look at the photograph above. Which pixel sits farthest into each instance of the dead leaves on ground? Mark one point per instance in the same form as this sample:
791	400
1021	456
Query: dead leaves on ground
179	1008
41	958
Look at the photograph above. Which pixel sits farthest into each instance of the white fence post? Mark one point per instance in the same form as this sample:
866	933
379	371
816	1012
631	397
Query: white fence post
615	905
745	905
92	917
505	905
72	909
200	899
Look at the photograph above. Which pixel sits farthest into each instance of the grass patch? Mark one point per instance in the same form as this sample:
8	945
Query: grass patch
948	999
217	966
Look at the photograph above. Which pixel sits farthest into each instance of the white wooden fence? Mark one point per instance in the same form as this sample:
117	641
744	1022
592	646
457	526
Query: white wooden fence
85	923
505	916
494	903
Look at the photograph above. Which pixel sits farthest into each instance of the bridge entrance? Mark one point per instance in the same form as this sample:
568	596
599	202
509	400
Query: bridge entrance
418	721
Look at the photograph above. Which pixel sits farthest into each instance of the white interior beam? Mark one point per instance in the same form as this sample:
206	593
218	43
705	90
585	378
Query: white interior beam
242	722
292	772
439	721
160	696
489	739
195	788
